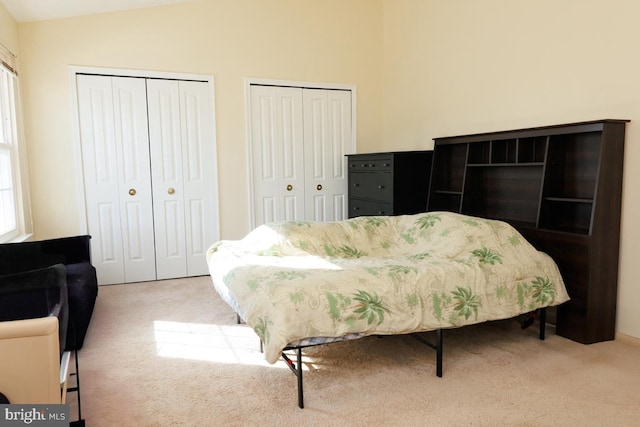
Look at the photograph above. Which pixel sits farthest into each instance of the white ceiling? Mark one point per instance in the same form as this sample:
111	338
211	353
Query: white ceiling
39	10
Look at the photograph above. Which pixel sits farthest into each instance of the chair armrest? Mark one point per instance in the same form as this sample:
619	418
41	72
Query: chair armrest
29	328
64	374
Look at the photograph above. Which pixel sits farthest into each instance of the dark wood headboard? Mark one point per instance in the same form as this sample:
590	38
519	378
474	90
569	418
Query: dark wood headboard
561	187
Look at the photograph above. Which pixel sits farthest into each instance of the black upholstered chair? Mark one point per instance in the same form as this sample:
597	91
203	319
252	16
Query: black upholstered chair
36	293
81	279
82	283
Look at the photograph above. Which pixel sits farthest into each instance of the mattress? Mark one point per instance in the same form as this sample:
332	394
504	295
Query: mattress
311	282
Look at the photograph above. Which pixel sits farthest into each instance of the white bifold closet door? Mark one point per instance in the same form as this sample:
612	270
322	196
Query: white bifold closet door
115	157
299	137
180	135
147	147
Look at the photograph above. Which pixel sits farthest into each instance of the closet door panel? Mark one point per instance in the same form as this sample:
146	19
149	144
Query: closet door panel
106	252
340	133
277	154
172	219
199	173
327	138
316	153
166	173
100	163
136	199
114	145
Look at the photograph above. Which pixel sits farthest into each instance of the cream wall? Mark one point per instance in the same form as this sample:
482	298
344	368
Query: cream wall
332	41
466	66
8	30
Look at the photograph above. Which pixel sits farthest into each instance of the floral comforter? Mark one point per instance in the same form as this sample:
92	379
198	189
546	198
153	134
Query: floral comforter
380	275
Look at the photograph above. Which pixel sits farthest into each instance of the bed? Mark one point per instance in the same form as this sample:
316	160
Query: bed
302	283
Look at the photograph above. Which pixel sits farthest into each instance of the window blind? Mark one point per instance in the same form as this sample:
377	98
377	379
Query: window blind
8	59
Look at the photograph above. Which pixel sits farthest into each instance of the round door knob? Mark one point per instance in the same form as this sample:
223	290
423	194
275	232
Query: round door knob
289	187
319	187
132	191
171	190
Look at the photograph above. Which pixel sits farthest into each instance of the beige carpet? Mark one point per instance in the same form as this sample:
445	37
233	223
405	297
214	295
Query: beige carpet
170	353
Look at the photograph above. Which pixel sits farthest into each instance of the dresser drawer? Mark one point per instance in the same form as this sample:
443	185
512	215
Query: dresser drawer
369	165
374	186
358	207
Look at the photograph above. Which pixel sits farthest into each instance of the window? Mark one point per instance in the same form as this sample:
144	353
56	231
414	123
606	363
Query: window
11	219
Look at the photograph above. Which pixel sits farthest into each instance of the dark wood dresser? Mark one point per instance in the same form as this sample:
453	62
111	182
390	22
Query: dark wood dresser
394	183
561	187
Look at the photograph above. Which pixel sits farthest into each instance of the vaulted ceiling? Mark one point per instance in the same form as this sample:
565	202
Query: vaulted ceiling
39	10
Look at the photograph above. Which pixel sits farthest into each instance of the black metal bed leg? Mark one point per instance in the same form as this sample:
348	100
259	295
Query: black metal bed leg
296	368
299	375
543	321
439	350
438	347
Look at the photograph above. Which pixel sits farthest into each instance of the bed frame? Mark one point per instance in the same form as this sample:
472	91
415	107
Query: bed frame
296	366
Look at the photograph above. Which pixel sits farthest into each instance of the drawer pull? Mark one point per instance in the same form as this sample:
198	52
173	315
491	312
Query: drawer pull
381	187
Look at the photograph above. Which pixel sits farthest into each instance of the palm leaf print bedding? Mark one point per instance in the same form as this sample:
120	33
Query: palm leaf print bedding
380	275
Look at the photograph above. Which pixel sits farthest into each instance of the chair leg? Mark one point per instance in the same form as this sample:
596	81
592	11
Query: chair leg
78	387
79	422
